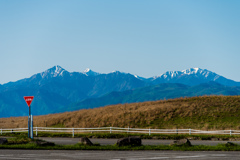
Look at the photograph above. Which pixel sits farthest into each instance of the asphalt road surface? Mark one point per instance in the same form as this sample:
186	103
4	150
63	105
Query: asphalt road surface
115	155
144	141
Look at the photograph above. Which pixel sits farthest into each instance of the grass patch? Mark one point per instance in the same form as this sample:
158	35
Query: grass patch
22	139
220	147
121	135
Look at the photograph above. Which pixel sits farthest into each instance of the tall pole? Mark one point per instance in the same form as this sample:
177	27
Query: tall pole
29	121
30	124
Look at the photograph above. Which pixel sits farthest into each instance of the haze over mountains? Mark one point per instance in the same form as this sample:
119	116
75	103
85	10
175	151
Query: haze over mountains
57	90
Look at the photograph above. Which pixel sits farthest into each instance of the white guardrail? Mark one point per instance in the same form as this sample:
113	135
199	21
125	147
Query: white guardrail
117	129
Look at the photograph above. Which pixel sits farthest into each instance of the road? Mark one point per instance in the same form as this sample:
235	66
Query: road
115	155
144	141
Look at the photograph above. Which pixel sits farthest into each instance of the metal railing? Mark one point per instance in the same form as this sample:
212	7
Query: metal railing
148	131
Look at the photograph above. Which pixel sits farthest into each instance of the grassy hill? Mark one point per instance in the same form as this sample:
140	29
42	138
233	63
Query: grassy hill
153	93
206	112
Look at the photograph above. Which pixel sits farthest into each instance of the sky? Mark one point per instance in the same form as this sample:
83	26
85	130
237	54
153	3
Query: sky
142	37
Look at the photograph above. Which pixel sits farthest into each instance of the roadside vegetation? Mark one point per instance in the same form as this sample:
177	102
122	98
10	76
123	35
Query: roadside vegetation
26	143
205	113
121	135
219	147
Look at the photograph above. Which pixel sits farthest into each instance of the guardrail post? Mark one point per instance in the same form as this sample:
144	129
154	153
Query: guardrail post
128	130
36	131
12	131
189	131
149	131
110	129
176	131
230	132
1	131
73	132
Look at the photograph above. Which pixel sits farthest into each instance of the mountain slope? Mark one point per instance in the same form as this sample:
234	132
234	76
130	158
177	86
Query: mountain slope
158	92
151	93
115	81
13	104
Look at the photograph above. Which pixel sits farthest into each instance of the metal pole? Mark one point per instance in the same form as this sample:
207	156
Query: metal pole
149	131
29	122
189	131
110	129
31	126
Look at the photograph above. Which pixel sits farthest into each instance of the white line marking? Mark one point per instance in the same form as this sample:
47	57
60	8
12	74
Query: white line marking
7	155
197	156
155	158
219	155
12	158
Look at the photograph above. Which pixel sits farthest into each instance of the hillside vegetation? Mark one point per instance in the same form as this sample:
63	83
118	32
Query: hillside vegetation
206	112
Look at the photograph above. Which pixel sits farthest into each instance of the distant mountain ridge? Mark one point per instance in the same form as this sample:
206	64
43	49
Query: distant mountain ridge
56	89
192	76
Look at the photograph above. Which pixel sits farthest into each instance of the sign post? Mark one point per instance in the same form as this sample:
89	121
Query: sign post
28	100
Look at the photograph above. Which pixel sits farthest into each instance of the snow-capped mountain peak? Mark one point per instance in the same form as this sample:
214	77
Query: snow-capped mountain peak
118	72
191	76
200	72
168	75
53	72
89	72
191	71
138	77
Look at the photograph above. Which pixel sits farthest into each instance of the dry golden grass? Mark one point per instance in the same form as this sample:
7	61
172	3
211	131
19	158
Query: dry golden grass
206	112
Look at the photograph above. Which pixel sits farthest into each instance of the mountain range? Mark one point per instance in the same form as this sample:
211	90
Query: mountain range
57	90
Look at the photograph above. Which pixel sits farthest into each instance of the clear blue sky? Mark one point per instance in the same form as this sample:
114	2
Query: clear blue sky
143	37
